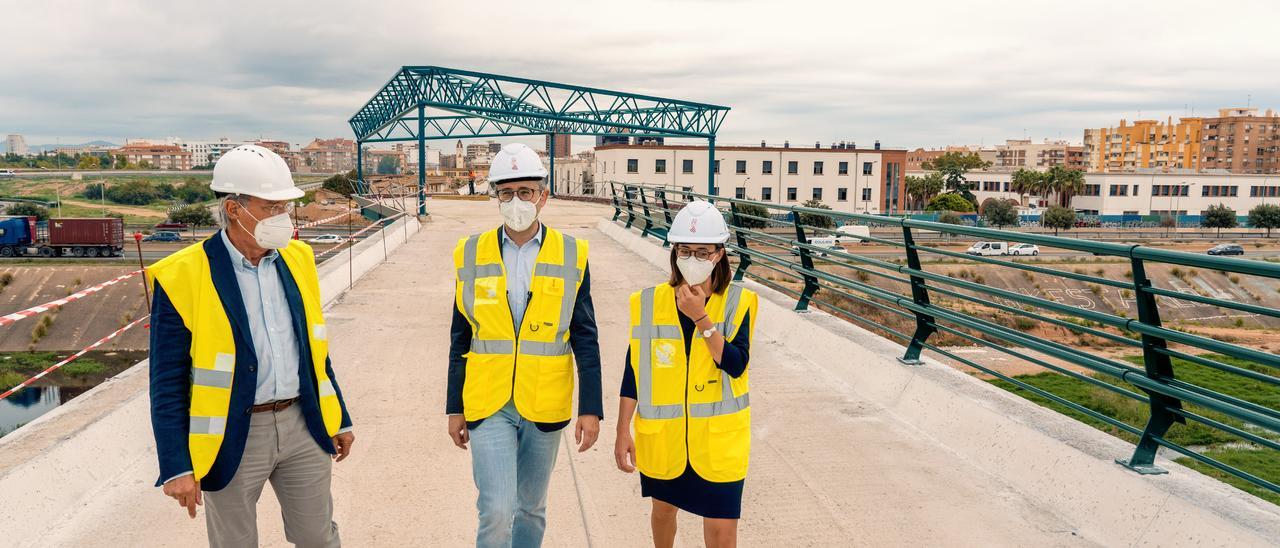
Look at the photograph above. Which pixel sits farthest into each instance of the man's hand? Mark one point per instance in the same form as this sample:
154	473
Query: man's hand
624	451
692	301
186	490
458	431
587	431
342	445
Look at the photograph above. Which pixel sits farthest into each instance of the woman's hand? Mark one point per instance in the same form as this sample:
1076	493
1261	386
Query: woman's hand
691	301
624	451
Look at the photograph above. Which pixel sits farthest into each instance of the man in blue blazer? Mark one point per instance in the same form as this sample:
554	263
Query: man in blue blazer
242	390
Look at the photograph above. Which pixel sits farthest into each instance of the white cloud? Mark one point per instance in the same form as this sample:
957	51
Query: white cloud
909	74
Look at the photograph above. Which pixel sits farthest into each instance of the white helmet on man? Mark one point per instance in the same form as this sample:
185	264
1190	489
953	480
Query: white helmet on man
698	223
516	161
254	171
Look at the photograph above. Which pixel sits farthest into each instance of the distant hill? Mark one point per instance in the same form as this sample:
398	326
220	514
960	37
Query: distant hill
36	149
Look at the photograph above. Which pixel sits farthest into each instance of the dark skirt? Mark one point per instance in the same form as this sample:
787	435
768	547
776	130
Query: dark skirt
691	493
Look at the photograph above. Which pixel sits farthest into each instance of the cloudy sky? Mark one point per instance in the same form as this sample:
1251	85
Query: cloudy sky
924	73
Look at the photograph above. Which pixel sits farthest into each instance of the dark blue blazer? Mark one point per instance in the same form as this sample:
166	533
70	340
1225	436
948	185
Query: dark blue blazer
170	364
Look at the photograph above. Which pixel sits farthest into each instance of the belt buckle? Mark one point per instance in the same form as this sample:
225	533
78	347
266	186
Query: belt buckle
279	406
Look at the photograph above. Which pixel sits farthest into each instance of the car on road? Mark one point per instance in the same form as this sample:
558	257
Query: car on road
7	173
795	250
163	237
988	248
1024	249
1226	249
325	239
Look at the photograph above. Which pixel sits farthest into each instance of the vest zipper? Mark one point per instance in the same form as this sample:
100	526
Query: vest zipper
515	349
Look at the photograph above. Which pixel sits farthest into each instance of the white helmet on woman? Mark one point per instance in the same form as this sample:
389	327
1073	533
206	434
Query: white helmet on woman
698	223
254	171
516	161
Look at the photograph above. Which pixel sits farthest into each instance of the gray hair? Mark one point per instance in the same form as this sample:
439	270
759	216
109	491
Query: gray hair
221	215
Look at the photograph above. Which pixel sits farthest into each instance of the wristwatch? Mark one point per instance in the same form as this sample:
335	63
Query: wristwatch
707	334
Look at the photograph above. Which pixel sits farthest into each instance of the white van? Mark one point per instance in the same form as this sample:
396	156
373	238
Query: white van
7	173
988	248
853	233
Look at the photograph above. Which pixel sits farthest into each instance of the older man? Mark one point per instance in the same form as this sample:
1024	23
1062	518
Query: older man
242	391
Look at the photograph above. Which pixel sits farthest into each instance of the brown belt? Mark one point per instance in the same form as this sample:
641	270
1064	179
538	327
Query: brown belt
274	406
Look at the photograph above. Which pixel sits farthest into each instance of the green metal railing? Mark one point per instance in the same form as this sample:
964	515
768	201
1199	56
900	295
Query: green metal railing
928	304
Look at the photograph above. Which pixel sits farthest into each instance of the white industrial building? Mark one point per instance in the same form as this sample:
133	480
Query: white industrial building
846	179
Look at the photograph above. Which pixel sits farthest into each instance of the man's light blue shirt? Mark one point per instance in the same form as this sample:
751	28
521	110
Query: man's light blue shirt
519	261
270	325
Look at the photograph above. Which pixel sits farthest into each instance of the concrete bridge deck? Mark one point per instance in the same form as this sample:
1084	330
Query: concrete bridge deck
850	448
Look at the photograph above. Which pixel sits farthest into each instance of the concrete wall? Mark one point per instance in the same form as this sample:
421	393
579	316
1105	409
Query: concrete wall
1063	464
53	465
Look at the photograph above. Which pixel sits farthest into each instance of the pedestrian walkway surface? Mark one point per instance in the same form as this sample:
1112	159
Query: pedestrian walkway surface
827	467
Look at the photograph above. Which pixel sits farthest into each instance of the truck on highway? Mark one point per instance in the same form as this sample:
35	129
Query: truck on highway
62	237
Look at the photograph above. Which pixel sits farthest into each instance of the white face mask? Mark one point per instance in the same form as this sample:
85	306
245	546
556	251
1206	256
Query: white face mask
274	232
695	270
518	214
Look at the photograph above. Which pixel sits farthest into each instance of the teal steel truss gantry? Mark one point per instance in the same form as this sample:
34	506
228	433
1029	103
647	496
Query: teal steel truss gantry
422	103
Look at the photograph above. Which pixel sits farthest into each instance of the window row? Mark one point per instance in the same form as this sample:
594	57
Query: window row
766	194
1219	190
740	167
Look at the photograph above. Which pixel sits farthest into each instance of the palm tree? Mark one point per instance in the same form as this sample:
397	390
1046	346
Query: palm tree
1024	182
1068	182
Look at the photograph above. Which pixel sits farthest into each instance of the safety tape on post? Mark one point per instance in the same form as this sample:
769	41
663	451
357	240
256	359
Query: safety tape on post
333	218
40	309
72	358
377	224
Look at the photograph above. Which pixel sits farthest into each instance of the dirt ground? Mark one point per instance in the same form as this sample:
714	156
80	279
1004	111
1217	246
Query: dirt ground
79	323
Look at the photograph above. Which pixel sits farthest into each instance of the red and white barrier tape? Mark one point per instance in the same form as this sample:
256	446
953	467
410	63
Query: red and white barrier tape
333	218
71	358
23	314
377	224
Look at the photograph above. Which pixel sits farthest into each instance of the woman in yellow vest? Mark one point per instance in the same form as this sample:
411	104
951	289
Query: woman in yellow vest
685	384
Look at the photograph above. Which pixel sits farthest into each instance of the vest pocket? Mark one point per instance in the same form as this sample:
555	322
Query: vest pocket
651	451
729	441
554	394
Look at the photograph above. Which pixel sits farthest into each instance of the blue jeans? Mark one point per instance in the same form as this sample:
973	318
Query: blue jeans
511	461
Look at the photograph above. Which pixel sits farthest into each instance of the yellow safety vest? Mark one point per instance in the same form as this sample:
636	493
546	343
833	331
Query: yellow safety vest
535	368
187	280
689	411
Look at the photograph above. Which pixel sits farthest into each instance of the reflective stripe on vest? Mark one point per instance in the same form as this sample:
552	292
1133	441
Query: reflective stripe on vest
647	332
568	272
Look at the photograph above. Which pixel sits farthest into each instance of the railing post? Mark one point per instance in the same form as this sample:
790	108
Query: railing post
806	261
1158	367
648	222
631	211
666	215
919	295
617	207
744	260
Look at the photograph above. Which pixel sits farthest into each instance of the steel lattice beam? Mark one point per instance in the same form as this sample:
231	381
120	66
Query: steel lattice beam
489	105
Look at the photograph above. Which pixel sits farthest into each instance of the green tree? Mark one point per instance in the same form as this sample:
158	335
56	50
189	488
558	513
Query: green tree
342	183
953	166
747	212
193	215
193	191
388	165
1025	181
923	189
1058	218
1265	216
121	162
89	162
134	192
28	210
1219	216
950	217
816	219
950	201
1000	213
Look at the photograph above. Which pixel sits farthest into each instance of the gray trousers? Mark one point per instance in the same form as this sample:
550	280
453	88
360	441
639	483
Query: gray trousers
281	450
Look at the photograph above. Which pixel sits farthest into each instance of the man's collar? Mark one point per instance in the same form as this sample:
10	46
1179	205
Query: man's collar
537	236
238	258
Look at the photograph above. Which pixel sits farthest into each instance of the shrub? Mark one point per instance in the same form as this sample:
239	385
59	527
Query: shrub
816	219
28	210
950	218
950	202
1058	218
754	211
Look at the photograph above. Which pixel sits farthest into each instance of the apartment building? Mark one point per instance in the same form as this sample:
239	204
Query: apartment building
155	156
1018	154
16	144
1143	145
329	156
1238	140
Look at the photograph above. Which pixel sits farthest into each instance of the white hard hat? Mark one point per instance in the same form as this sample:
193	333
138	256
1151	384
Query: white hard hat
516	161
698	223
254	171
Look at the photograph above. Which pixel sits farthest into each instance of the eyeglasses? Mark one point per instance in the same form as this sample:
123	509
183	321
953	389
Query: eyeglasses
276	208
699	254
525	194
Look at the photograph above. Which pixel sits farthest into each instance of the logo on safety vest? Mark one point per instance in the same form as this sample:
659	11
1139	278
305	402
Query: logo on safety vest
663	352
